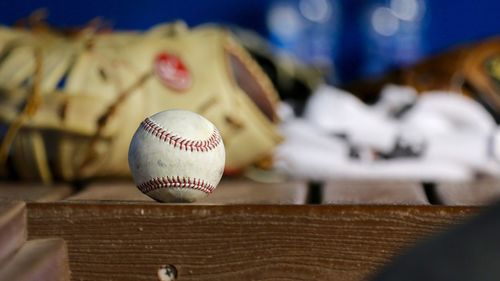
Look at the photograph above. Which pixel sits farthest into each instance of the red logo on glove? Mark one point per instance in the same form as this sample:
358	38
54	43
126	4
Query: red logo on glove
172	72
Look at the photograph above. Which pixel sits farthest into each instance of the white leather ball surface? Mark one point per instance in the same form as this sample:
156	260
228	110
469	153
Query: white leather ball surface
176	156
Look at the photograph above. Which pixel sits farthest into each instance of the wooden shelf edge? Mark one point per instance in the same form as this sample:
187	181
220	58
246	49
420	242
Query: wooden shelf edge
132	240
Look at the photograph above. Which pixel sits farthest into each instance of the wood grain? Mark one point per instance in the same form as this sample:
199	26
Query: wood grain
477	193
374	192
12	228
229	191
33	191
130	241
242	191
38	260
110	191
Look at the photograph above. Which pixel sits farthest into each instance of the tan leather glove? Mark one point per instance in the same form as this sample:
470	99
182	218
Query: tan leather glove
71	103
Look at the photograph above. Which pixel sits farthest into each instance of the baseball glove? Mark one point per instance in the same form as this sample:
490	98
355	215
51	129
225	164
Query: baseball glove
472	70
70	103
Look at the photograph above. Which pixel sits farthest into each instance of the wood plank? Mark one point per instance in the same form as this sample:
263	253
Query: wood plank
12	228
240	191
229	191
131	241
33	191
478	193
110	191
38	260
374	192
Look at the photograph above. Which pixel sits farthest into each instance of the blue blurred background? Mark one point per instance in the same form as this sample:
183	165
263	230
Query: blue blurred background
361	37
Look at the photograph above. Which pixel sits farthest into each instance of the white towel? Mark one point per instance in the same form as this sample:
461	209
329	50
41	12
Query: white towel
460	138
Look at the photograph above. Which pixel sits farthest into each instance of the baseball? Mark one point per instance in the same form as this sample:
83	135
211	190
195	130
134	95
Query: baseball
176	156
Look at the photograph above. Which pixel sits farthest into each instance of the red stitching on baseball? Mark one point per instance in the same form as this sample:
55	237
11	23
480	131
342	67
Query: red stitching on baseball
164	135
175	182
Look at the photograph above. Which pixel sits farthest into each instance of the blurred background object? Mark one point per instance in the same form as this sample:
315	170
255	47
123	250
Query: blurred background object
310	47
394	32
470	69
443	23
306	29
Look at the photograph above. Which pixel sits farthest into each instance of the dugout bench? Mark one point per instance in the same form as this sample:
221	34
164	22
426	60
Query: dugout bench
342	230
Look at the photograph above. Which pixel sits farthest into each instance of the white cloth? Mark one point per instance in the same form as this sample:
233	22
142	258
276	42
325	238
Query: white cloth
457	132
338	112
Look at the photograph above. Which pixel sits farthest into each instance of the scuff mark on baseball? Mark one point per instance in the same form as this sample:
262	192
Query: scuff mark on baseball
176	156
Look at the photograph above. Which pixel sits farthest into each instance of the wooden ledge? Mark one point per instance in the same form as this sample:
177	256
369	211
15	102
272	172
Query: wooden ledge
12	228
43	259
132	240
